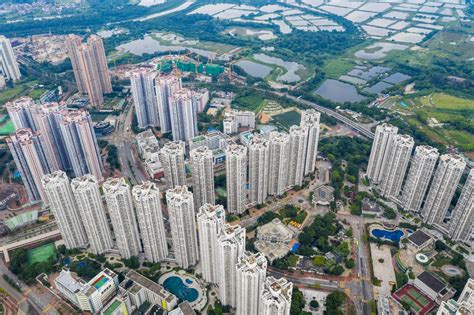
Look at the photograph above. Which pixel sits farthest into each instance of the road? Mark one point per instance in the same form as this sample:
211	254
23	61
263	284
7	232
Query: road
363	130
304	281
123	138
38	303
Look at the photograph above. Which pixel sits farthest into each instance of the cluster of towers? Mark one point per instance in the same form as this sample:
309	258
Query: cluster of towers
90	67
161	100
138	227
50	137
424	183
271	164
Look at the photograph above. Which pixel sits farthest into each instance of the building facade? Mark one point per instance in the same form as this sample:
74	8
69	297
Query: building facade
89	64
142	81
275	298
230	245
310	120
279	163
146	198
122	214
297	155
259	164
64	208
165	86
8	64
210	221
81	143
172	159
91	208
183	226
183	115
380	146
32	160
251	273
396	166
444	184
461	226
419	176
236	178
202	169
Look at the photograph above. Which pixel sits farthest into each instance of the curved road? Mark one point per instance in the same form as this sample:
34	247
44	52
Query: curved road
363	130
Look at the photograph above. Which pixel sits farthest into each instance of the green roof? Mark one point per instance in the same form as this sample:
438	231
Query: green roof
115	304
22	219
198	138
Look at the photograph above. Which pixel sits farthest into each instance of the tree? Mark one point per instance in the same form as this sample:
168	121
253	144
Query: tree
440	246
297	302
132	262
334	301
314	304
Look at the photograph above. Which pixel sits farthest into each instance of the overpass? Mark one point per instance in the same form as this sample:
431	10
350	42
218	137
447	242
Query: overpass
55	234
352	124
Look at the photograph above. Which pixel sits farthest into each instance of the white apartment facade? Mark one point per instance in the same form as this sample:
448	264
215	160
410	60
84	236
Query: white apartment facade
146	198
202	169
380	146
120	205
91	208
183	226
236	178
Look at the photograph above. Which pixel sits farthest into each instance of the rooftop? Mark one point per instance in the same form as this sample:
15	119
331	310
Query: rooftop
432	281
419	238
148	284
109	310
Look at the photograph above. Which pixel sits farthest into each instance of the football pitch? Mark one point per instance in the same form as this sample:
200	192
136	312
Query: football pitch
42	253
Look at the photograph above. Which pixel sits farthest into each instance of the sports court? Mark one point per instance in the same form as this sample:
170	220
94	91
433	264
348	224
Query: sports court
42	253
419	303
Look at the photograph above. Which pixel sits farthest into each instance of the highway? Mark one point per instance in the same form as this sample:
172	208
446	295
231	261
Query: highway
356	126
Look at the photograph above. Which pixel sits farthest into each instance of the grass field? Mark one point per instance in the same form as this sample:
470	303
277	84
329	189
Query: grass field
42	253
288	119
454	112
19	89
251	102
7	128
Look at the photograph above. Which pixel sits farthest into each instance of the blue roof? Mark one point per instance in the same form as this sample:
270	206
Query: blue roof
295	247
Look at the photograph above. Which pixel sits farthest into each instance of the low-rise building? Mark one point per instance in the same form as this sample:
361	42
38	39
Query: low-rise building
120	305
323	195
183	309
434	287
140	289
148	149
237	119
89	296
274	239
371	207
420	240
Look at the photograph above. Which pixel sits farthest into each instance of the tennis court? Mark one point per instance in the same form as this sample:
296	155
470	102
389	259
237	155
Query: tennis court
414	307
418	297
42	253
419	303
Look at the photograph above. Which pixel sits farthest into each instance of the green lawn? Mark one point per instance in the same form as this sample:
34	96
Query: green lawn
42	253
288	119
250	102
17	90
7	128
337	67
440	260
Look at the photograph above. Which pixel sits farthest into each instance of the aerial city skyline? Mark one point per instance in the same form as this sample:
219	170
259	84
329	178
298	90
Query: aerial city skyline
268	158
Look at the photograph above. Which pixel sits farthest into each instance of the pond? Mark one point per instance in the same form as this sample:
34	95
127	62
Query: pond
176	286
254	69
339	92
378	50
291	67
393	236
149	45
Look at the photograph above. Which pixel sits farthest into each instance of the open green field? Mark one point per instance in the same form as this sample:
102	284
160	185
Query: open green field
7	128
42	253
457	115
19	89
288	119
251	102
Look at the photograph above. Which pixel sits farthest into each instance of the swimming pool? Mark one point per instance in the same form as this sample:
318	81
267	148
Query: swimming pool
176	286
393	236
